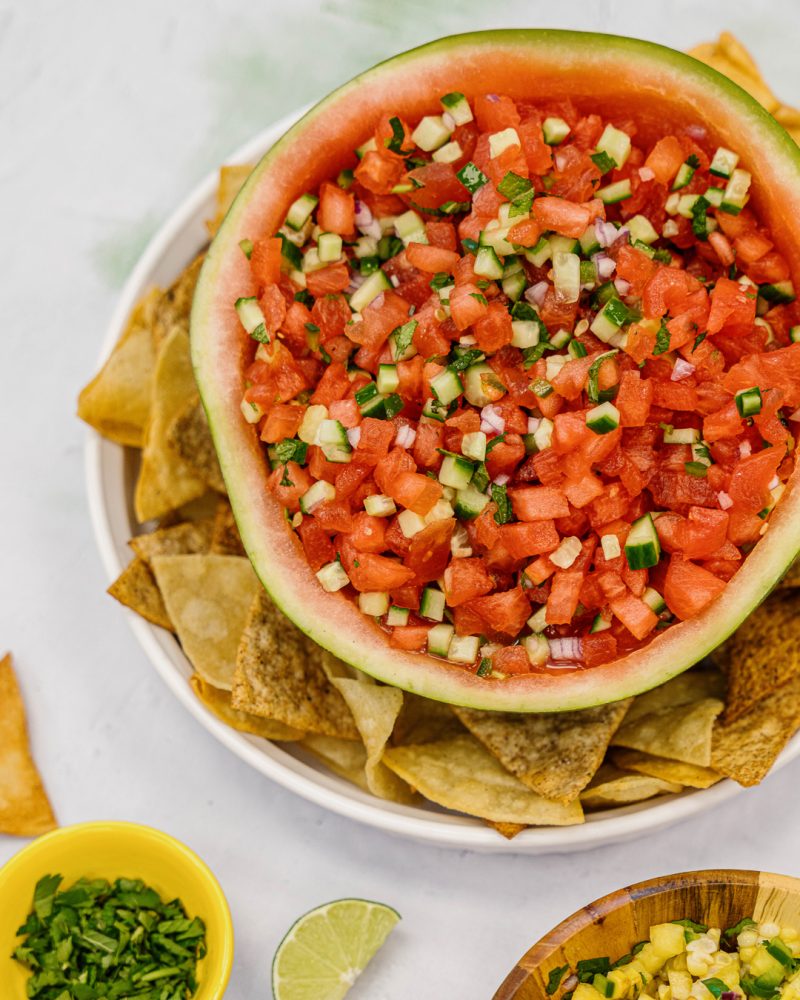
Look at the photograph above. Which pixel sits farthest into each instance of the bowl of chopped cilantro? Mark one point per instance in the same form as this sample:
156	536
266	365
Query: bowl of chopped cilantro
111	909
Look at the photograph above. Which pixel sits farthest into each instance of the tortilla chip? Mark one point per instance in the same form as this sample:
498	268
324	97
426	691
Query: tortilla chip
729	56
423	720
762	654
344	757
219	703
553	754
460	774
189	436
25	810
279	675
165	480
375	709
746	749
137	589
117	400
507	830
682	732
689	775
175	305
208	598
681	690
614	787
226	540
231	179
791	577
183	539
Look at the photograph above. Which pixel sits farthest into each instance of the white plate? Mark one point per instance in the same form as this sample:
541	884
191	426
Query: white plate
110	478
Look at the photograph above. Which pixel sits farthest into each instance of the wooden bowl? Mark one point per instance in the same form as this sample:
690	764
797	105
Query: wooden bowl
613	924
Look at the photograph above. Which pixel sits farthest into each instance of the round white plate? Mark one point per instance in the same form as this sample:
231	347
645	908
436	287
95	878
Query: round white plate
111	472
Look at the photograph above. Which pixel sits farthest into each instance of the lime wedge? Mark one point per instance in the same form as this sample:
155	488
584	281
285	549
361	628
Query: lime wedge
328	948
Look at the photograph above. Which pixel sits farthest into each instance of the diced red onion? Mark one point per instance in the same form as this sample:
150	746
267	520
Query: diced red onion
377	302
492	417
606	232
394	280
570	983
745	449
494	98
696	131
646	174
353	436
560	161
406	436
773	483
533	424
604	264
356	281
366	222
501	480
568	648
622	286
725	501
536	293
681	369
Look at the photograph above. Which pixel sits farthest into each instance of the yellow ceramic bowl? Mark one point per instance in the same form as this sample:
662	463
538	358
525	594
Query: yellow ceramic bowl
113	850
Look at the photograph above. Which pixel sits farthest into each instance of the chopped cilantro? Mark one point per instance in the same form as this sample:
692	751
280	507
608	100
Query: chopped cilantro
389	246
454	207
286	479
403	336
472	177
593	388
521	205
737	929
531	355
311	327
471	246
693	161
696	469
555	977
662	256
588	968
715	987
393	405
439	280
480	478
485	667
512	186
463	361
541	388
303	296
662	340
260	334
369	265
291	450
699	218
504	514
603	162
480	298
395	144
698	340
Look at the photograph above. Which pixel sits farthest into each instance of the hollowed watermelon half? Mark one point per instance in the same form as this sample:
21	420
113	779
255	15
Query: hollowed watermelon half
661	90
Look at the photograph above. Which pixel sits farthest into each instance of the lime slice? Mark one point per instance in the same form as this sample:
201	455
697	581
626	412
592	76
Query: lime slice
328	948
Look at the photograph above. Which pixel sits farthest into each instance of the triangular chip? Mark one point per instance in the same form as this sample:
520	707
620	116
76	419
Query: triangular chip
279	675
137	589
613	787
762	654
231	179
226	539
165	481
219	702
175	305
689	775
190	437
25	810
460	774
682	732
728	56
183	539
346	758
423	720
507	830
746	749
681	690
117	400
553	754
208	598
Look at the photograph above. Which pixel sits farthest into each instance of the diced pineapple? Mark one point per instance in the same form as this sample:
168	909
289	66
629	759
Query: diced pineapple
619	980
651	958
668	939
681	985
763	964
583	991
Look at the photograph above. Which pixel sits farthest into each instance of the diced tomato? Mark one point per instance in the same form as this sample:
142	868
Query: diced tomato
375	440
430	550
414	491
336	212
281	422
539	503
379	171
598	648
503	459
467	305
441	233
665	159
505	612
317	545
388	469
368	533
431	259
328	280
529	538
689	588
564	596
288	483
412	637
465	579
493	329
511	660
265	260
369	572
731	306
561	216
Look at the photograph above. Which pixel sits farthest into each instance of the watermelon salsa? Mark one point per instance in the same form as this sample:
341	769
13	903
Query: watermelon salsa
527	388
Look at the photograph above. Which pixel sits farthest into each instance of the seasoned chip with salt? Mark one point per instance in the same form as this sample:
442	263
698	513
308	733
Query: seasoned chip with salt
137	589
190	437
183	539
219	702
613	787
226	540
690	775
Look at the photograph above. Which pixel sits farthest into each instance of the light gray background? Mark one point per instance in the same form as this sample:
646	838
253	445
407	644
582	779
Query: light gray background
109	113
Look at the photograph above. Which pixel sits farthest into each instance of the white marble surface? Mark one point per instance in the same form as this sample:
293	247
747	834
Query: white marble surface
108	114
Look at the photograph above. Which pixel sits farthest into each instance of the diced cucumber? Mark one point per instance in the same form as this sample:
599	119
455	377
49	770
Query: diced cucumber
723	162
609	320
794	334
642	548
431	133
563	244
778	293
431	604
397	616
333	577
553	365
379	505
410	523
463	648
616	192
577	349
374	603
487	264
473	445
369	289
388	379
567	276
300	210
543	435
610	546
714	196
447	386
252	318
310	424
735	197
316	494
748	401
329	247
252	412
366	147
456	471
600	624
495	237
555	130
588	242
371	401
700	453
514	285
538	620
538	649
513	265
365	246
457	106
439	639
683	177
449	153
434	410
615	143
469	503
654	600
686	204
481	385
410	228
499	142
680	435
603	418
642	229
671	207
332	439
524	333
559	340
